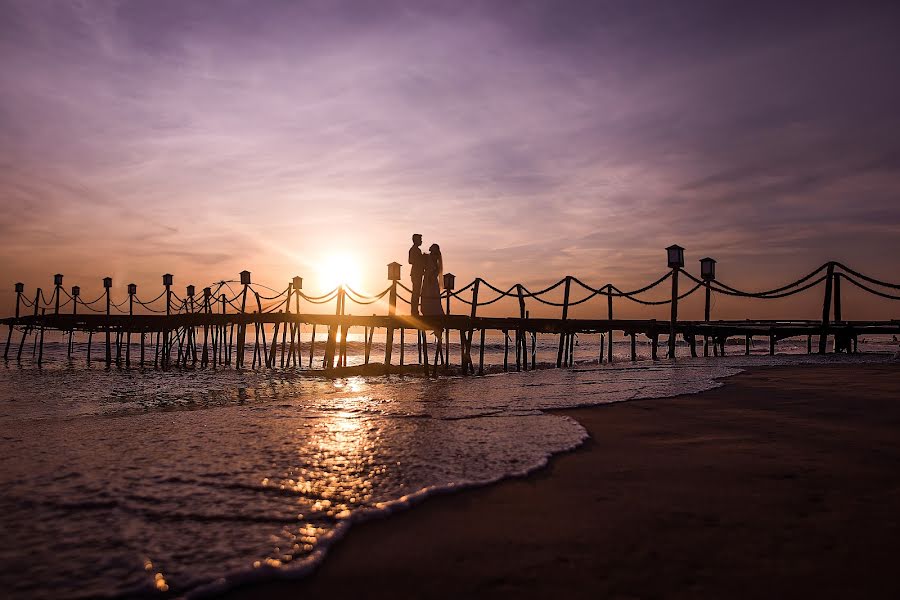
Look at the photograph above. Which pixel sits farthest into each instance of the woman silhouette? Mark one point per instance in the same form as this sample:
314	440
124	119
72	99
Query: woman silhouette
431	286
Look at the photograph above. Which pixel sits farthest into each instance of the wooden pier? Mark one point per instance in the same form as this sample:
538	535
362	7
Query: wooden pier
210	331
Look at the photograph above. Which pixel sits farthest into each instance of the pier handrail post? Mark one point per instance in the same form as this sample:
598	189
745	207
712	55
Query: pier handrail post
826	308
132	290
838	317
298	285
609	340
521	348
107	284
331	341
207	309
565	315
167	283
449	286
707	274
19	288
57	292
468	361
242	328
675	255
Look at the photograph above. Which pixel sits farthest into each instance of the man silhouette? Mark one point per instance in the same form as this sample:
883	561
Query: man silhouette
416	272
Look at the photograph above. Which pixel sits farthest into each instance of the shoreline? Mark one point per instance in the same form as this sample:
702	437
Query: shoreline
784	480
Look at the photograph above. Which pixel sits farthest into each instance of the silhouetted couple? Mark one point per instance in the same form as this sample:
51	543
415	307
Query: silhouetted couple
427	274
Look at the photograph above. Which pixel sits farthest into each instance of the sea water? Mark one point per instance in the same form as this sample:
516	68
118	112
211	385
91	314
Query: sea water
120	482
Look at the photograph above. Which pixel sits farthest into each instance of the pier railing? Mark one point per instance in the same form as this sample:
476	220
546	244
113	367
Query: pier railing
211	329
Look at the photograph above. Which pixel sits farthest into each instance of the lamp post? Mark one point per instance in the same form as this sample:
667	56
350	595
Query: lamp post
707	274
675	255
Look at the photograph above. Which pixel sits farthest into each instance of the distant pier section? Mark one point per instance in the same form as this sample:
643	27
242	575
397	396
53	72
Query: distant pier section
209	330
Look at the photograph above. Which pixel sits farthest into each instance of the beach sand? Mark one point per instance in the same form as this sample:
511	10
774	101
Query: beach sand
784	482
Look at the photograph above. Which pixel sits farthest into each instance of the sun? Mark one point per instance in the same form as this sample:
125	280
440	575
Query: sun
340	269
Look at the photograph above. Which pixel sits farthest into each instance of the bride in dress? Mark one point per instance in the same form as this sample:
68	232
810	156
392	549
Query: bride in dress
432	284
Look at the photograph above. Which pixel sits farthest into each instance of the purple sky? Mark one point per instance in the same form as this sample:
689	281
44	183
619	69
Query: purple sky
531	140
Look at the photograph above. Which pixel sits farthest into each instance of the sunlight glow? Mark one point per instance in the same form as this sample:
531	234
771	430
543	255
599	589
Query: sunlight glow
339	269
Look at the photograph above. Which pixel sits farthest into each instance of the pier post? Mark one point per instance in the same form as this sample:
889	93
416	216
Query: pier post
708	274
449	285
468	360
633	347
207	310
107	284
76	292
675	255
609	312
772	340
242	326
57	292
838	317
748	341
826	308
481	354
565	315
132	290
164	358
393	277
41	346
20	287
602	348
312	346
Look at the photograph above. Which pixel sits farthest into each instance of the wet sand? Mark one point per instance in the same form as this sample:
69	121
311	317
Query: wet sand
783	483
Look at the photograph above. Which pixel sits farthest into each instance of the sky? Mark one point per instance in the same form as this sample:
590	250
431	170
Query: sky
531	140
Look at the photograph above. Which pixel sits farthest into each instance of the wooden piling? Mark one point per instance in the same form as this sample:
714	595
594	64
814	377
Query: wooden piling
505	350
41	350
481	355
565	315
312	345
633	347
423	346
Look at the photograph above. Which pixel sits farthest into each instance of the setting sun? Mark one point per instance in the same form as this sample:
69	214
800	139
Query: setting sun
340	269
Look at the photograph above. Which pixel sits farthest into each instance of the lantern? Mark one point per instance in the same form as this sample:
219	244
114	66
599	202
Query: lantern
76	291
297	282
394	271
675	254
132	289
167	279
107	282
20	287
707	268
190	291
207	292
245	277
57	279
449	281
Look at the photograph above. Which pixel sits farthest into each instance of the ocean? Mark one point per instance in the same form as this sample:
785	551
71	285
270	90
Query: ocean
131	483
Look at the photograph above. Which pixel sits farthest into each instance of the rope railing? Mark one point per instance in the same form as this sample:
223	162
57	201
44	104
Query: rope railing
282	298
893	286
